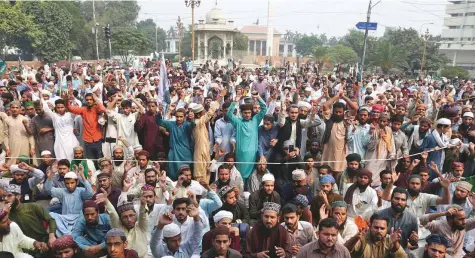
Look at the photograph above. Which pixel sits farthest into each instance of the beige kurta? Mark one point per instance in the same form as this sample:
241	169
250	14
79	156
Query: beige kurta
17	138
201	136
334	149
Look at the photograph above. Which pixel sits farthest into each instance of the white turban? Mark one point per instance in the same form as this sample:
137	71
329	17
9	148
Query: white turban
221	215
171	230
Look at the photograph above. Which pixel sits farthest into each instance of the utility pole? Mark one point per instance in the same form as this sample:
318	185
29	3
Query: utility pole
95	28
270	31
156	35
423	63
107	31
368	19
192	4
179	25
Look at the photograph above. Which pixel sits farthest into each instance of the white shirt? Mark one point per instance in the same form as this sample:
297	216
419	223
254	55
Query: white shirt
364	204
419	205
14	241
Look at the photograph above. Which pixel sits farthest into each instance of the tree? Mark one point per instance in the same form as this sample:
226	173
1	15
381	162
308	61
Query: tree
240	41
355	40
333	41
17	28
412	43
305	44
453	71
127	41
148	28
388	56
342	54
55	27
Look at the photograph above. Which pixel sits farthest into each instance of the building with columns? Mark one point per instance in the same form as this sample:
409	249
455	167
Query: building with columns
215	36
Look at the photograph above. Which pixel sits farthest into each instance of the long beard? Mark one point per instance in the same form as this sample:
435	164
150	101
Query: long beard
362	187
223	183
412	192
457	200
336	119
351	172
118	161
302	116
186	183
302	190
398	209
267	231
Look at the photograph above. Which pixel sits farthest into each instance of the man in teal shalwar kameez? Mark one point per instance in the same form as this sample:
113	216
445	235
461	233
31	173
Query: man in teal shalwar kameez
246	134
181	143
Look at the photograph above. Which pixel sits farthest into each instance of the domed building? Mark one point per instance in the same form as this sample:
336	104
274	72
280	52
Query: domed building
214	36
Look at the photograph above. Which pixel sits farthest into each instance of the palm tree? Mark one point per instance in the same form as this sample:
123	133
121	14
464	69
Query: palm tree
388	56
288	35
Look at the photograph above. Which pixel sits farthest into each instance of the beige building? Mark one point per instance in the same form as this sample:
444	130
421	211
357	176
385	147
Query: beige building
257	36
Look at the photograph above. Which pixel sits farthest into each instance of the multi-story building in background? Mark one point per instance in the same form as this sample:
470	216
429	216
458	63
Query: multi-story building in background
458	34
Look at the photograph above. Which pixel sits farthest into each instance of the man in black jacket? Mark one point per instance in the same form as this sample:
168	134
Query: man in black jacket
265	194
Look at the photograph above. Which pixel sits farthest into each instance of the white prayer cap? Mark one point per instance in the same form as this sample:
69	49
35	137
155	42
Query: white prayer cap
15	169
96	87
268	177
46	92
195	189
45	152
219	79
151	88
197	109
50	83
222	215
468	114
70	175
171	230
298	174
288	143
444	121
308	89
152	78
304	104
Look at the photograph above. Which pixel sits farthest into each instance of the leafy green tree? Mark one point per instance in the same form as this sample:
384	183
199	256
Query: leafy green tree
387	56
412	43
17	29
127	41
342	54
240	41
305	44
453	71
333	41
55	27
355	39
148	28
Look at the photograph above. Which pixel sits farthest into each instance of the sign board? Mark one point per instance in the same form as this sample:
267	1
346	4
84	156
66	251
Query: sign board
367	25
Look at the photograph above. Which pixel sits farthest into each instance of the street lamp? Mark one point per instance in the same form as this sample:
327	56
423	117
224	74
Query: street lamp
192	4
425	37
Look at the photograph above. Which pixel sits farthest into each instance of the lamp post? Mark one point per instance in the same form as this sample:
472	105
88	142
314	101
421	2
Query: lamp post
425	37
156	30
179	25
192	4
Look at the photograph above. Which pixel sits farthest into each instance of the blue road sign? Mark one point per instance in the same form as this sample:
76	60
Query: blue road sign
367	25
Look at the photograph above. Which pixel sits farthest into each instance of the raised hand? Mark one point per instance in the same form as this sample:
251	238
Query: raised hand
444	182
102	197
395	235
127	166
205	184
165	219
323	212
424	155
192	211
415	162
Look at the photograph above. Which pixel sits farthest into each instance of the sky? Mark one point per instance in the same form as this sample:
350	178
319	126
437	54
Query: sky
332	17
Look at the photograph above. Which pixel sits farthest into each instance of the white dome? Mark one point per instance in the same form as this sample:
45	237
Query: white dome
215	16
